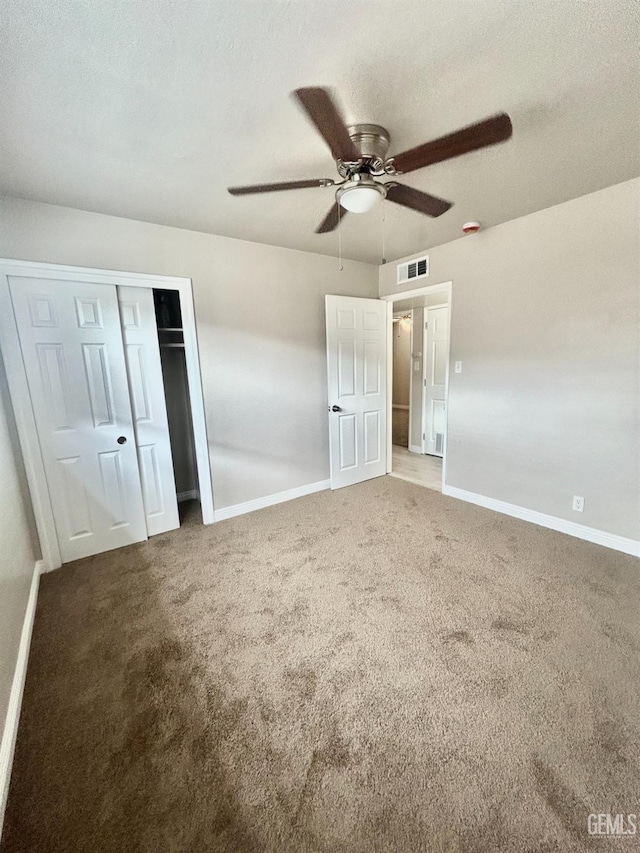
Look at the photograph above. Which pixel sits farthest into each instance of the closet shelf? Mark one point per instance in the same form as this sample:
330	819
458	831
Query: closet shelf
168	346
170	328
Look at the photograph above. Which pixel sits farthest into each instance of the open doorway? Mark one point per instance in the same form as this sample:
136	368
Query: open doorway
418	372
401	385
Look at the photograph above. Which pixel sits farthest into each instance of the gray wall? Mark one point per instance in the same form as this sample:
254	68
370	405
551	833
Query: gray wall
260	322
401	362
17	552
545	320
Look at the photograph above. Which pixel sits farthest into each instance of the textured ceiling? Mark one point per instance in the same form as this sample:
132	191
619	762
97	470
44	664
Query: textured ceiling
149	109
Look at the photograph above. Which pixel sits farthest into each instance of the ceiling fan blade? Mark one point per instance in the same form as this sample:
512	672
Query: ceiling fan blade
319	106
430	205
498	128
332	219
287	185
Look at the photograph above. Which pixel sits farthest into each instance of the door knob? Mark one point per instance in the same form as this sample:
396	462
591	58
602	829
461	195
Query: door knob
121	439
336	409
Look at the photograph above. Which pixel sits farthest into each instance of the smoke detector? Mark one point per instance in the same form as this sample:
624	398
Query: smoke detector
471	227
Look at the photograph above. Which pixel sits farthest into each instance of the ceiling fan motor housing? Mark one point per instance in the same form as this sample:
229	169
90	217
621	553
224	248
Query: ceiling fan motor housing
372	143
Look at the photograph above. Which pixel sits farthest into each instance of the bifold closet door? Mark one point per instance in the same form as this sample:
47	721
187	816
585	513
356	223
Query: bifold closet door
74	359
142	351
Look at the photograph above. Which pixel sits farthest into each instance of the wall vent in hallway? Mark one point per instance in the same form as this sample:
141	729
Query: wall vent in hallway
410	270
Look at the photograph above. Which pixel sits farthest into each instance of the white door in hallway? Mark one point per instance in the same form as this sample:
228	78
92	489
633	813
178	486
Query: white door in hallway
74	359
357	388
149	410
436	361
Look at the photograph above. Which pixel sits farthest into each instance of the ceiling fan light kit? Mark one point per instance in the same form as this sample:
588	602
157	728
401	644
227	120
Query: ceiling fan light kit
360	194
360	152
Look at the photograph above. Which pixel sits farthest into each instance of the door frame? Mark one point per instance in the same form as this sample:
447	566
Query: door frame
21	400
444	287
423	396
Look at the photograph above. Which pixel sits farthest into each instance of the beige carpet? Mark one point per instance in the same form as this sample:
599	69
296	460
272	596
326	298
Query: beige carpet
375	670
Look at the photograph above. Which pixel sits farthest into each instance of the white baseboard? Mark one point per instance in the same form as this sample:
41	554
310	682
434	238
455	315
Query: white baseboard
415	448
10	731
270	500
580	531
398	406
194	494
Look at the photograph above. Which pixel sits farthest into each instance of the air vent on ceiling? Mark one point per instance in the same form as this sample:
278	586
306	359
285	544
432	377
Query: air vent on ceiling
410	270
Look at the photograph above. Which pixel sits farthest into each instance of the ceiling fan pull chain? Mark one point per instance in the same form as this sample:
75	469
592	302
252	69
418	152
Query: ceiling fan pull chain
384	254
340	266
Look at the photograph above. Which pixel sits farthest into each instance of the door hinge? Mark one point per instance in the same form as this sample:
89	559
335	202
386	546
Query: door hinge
424	436
425	383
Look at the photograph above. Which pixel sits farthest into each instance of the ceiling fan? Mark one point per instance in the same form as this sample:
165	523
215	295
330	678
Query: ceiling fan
360	152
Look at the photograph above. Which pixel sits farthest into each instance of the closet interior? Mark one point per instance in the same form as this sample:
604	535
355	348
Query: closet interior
176	392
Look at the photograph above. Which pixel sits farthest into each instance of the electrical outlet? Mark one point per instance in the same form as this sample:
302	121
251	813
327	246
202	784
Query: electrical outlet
457	367
578	503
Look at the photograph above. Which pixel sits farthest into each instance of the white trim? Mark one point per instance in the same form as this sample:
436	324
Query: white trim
389	441
96	276
270	500
571	528
26	426
446	408
412	339
423	382
188	496
397	406
10	731
415	448
44	567
196	402
19	388
442	287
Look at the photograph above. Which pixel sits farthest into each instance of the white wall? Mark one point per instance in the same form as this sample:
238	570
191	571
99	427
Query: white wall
401	362
17	552
545	320
260	322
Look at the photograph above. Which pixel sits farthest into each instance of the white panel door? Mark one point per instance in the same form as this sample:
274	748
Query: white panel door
357	380
436	360
151	427
74	359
